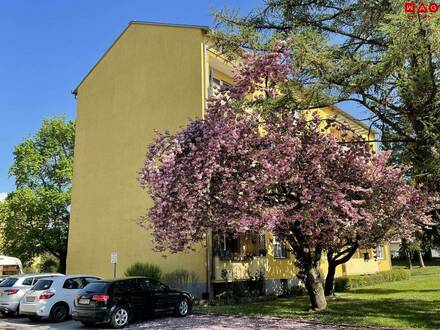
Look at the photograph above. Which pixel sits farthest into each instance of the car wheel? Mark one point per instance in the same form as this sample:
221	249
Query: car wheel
33	317
182	308
120	317
59	313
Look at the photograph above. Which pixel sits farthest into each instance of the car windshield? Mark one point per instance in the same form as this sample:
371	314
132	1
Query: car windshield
42	285
95	287
10	281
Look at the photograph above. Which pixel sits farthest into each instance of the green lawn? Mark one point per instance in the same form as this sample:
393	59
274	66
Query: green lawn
413	303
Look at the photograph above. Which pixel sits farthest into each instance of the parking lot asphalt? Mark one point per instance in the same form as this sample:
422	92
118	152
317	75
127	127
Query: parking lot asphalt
193	322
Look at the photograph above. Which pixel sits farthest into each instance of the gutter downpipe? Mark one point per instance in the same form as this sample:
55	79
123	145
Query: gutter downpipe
209	260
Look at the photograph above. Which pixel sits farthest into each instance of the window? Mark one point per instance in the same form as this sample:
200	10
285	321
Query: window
227	245
262	245
87	280
279	248
379	252
10	281
149	284
96	287
42	285
10	270
28	281
37	278
73	283
366	256
126	286
215	83
284	285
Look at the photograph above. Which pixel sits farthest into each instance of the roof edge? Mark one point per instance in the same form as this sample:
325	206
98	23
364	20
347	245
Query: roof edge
200	27
354	119
191	26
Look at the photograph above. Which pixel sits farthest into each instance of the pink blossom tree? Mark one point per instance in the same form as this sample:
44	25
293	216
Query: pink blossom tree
255	165
397	210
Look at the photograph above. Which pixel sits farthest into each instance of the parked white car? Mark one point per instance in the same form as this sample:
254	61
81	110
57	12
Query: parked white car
13	288
53	297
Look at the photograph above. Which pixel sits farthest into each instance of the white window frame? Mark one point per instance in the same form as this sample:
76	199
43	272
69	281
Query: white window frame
278	248
379	252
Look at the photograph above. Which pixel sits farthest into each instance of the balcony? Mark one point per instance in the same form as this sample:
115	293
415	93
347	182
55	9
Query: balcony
238	269
239	258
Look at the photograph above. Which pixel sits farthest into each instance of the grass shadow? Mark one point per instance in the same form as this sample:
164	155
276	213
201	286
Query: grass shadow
379	291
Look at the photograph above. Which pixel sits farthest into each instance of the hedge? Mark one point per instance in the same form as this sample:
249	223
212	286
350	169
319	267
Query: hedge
144	269
346	283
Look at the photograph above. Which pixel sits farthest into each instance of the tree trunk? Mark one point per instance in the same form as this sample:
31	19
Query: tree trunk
315	289
63	262
405	247
421	262
334	260
408	259
330	279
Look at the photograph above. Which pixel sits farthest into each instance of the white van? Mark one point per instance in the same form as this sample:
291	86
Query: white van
10	266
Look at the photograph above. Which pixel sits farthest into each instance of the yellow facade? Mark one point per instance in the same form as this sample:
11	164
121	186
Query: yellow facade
149	79
154	77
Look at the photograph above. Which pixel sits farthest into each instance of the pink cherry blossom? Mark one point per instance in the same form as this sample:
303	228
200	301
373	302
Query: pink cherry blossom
252	167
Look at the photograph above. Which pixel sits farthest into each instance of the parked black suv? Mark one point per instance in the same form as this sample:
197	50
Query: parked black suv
118	301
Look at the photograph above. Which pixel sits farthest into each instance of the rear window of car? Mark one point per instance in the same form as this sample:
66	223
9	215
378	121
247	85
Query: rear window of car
96	287
42	285
28	281
10	281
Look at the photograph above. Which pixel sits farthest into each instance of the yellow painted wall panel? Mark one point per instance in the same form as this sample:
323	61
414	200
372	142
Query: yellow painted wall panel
149	80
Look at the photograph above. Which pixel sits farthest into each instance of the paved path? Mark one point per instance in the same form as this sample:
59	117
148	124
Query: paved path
192	322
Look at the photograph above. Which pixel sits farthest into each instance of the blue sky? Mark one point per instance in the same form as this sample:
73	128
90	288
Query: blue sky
47	46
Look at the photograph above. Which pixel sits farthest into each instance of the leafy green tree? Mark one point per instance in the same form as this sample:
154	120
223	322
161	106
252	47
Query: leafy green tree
370	53
34	219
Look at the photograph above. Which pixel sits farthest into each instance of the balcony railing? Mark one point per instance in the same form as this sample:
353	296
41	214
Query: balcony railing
247	268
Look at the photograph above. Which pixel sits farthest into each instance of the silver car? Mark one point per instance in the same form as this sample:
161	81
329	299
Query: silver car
53	297
14	288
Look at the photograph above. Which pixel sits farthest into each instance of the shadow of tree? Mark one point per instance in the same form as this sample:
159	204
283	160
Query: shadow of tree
391	291
407	313
415	313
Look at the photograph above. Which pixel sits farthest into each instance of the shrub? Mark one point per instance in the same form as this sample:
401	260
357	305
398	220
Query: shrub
49	265
144	269
296	291
346	283
180	279
342	284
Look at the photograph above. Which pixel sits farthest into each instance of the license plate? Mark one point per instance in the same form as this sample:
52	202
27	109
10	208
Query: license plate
83	301
30	299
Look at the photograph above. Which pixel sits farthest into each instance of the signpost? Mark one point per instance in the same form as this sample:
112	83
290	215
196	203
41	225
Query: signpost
114	261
